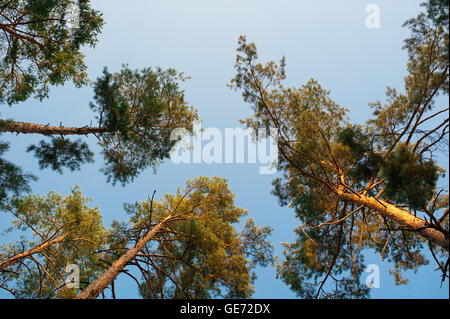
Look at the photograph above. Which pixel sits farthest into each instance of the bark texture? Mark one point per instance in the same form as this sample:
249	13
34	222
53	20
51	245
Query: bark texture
99	285
14	259
402	217
31	128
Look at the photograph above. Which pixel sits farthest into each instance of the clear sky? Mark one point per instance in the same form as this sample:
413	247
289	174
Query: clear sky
323	39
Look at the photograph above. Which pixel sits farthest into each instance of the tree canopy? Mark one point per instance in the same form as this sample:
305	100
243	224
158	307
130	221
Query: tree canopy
136	110
358	187
353	187
59	231
39	47
193	251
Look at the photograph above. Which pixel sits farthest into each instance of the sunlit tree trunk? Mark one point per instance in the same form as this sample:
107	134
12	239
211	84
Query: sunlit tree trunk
99	285
40	248
402	217
31	128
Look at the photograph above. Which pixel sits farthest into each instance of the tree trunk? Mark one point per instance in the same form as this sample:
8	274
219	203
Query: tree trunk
14	259
402	217
99	285
30	128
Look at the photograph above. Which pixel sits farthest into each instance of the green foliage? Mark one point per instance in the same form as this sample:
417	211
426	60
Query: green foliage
322	156
138	111
412	180
366	167
436	16
39	48
201	255
437	11
69	215
111	104
358	143
13	181
428	48
310	125
366	162
308	260
62	153
50	217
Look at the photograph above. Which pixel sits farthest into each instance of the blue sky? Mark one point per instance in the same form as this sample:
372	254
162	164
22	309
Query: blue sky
323	39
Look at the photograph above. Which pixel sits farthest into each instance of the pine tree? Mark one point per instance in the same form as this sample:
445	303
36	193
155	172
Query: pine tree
136	110
184	245
357	187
